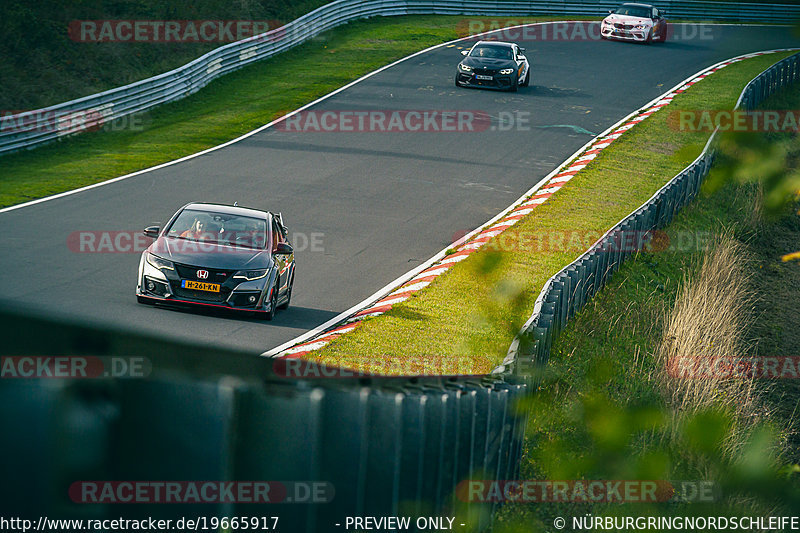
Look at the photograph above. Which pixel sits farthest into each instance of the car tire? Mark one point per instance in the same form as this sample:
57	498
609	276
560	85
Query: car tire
285	305
649	39
273	306
527	80
456	80
514	85
143	300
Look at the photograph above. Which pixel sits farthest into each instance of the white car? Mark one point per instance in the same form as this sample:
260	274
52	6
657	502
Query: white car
641	23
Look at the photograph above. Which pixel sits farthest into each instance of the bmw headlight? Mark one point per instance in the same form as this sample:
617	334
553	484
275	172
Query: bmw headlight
642	27
464	67
251	275
157	262
507	71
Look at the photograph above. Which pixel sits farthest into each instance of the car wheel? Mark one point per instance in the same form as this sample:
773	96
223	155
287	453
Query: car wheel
285	305
514	85
527	80
649	39
457	84
273	304
143	300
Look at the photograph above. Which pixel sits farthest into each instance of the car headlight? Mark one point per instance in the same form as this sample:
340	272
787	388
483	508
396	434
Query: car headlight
251	275
641	27
157	262
507	71
465	68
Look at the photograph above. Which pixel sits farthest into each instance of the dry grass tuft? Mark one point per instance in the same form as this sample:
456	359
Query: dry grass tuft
709	320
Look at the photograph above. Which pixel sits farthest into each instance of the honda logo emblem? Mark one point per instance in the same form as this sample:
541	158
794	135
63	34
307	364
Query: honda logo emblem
202	274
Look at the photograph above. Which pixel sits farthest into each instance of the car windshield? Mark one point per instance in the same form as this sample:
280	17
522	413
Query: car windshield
634	11
493	52
220	228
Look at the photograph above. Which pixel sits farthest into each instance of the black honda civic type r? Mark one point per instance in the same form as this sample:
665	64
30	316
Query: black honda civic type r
221	256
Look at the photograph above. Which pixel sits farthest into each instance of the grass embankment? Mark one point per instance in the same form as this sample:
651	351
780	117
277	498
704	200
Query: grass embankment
465	320
608	409
227	108
41	64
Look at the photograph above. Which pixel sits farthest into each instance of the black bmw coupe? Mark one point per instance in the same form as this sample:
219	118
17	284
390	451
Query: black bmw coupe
495	65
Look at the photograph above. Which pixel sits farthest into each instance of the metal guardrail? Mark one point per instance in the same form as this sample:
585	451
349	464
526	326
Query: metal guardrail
34	128
389	446
564	294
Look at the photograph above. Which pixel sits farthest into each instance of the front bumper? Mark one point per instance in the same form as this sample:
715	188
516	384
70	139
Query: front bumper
177	302
625	35
497	81
157	286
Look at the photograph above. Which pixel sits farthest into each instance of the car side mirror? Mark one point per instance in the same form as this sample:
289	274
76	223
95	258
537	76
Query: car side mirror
610	11
152	231
464	52
284	248
521	49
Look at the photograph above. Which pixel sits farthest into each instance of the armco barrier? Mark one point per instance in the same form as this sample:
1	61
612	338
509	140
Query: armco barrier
87	113
389	446
566	292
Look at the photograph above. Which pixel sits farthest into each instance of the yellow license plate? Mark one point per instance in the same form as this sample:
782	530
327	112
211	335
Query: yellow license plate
200	286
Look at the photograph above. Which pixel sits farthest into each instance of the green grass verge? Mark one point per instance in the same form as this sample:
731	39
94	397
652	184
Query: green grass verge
226	108
600	413
465	320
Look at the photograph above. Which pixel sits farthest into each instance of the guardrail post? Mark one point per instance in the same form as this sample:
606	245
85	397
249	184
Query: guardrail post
295	412
44	451
382	480
343	451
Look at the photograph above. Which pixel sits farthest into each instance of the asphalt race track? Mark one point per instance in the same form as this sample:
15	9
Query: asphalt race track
365	207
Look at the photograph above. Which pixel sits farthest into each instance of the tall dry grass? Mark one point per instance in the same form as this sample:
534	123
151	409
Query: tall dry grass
709	320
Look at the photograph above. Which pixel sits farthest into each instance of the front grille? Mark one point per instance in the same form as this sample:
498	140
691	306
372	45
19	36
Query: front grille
189	272
486	71
623	26
214	275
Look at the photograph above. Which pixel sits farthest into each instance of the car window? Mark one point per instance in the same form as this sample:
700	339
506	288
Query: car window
219	228
492	52
633	11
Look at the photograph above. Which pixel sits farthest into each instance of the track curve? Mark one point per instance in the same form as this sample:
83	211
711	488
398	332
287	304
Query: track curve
375	204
